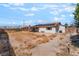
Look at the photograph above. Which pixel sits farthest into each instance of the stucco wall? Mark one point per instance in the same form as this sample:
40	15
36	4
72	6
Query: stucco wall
47	31
61	28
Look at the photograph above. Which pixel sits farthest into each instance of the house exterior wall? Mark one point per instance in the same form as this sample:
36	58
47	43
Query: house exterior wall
47	31
53	30
62	28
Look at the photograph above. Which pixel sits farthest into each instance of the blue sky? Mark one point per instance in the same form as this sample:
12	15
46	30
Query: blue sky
36	13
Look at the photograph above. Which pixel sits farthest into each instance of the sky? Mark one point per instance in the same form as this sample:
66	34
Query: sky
36	13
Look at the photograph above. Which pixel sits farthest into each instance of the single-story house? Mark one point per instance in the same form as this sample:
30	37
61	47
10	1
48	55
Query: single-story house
49	28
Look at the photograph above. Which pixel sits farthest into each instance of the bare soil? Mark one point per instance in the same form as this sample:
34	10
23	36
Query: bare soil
26	43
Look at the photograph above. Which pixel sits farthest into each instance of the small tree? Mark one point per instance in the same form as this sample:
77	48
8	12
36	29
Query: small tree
76	16
66	25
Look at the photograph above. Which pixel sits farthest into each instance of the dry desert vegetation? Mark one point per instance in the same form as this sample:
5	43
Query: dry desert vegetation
24	43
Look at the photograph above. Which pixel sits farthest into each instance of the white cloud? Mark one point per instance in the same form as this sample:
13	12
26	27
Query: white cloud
13	8
56	19
42	21
71	15
19	6
13	23
47	6
60	10
54	12
29	22
42	7
34	9
13	4
63	16
23	9
69	9
65	5
29	14
27	9
50	5
16	4
5	5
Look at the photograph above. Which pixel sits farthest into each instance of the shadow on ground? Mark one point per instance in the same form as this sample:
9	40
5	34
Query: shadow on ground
75	40
5	46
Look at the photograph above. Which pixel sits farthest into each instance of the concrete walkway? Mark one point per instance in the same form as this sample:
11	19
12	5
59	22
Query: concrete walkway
47	49
51	48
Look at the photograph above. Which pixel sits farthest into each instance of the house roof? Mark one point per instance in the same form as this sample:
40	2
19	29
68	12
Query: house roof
48	25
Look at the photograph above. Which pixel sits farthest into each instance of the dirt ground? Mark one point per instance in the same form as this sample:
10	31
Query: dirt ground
26	43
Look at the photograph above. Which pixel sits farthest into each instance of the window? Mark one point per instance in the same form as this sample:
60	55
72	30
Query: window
60	31
49	28
42	31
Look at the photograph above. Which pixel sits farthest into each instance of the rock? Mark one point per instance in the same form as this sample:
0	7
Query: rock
4	44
